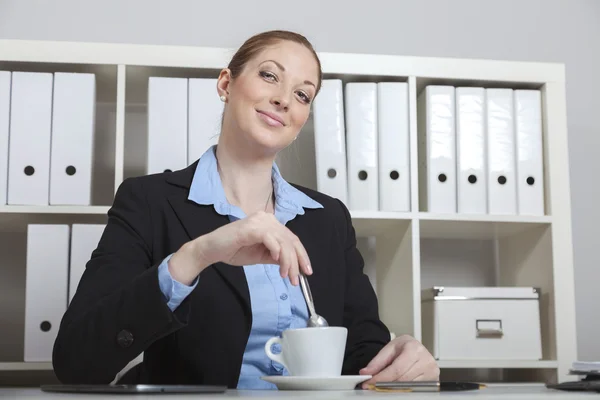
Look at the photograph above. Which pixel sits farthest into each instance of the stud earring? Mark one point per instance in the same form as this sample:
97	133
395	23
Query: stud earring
223	99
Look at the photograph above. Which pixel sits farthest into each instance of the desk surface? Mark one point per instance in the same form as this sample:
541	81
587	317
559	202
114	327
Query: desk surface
493	392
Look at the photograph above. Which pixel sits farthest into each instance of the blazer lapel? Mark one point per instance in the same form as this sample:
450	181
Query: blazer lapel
198	220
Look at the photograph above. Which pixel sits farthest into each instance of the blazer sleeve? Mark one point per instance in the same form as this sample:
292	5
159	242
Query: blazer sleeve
367	334
118	310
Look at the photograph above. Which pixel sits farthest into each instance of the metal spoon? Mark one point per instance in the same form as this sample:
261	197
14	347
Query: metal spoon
315	320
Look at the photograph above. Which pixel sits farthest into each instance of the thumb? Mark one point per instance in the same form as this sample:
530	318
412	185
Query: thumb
384	358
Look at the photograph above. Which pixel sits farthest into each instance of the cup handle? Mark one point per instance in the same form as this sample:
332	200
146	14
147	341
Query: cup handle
275	357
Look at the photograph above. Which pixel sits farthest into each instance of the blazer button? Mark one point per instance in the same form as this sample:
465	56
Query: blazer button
125	338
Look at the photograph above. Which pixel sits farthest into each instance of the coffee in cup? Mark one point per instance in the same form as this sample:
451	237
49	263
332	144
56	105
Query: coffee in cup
316	352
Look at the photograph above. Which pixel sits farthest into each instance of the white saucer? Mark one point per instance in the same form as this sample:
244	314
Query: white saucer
343	382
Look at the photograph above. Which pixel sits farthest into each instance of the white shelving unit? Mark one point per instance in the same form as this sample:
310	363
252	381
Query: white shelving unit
404	250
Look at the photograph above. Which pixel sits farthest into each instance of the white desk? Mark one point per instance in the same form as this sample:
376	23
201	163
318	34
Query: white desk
494	392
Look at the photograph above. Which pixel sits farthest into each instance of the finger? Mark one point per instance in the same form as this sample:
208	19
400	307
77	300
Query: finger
415	370
286	259
271	243
303	259
392	372
430	372
422	377
384	358
294	269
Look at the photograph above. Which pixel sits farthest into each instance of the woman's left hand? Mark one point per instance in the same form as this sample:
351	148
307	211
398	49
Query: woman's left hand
402	359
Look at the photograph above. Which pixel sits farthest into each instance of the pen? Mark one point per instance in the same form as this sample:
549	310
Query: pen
425	386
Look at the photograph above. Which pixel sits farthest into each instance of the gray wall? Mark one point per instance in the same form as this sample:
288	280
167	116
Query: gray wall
527	30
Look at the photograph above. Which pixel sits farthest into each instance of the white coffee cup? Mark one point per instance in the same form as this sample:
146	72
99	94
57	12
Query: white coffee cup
310	351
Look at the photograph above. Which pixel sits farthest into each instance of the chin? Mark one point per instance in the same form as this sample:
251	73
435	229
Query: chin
268	140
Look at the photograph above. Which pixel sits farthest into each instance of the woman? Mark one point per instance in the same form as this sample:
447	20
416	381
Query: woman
199	267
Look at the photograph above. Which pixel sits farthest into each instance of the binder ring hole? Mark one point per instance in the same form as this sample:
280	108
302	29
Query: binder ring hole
502	179
530	181
71	170
442	177
45	326
362	175
394	175
472	178
29	170
167	170
332	173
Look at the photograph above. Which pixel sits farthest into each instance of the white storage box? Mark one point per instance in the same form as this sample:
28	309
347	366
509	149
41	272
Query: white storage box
482	323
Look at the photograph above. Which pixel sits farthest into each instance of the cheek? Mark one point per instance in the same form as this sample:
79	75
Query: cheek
300	115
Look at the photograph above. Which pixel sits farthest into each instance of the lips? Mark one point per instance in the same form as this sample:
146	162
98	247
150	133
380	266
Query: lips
270	118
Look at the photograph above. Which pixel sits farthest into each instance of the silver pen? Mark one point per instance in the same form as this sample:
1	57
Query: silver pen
426	386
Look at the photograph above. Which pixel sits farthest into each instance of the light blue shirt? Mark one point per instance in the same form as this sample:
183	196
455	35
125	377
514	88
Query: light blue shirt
276	304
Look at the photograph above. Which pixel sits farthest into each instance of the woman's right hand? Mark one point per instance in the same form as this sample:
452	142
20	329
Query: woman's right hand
257	239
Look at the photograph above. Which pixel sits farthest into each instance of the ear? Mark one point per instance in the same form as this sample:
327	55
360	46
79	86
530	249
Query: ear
223	82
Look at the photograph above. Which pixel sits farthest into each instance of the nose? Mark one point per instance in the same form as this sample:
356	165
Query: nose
280	102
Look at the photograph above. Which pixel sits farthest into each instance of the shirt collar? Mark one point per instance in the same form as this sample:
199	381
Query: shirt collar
207	189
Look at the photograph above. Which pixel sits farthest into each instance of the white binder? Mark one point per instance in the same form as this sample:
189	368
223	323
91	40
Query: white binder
330	140
530	159
73	115
362	148
46	288
393	146
437	149
470	150
84	240
205	111
29	138
167	124
4	124
502	186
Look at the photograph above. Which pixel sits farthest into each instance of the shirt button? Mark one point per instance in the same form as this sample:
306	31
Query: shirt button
125	339
276	348
283	296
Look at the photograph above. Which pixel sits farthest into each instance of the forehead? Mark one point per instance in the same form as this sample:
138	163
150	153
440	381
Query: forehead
294	57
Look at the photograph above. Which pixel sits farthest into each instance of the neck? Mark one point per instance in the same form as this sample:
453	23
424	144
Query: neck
246	176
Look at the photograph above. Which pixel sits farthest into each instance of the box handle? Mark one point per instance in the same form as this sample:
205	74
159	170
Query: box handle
489	328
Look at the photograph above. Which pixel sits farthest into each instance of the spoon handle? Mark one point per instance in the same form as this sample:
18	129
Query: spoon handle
307	293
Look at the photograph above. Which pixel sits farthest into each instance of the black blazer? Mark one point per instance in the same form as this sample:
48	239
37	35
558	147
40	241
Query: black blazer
119	311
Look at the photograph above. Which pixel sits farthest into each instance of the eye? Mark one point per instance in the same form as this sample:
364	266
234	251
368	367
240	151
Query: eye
268	75
305	98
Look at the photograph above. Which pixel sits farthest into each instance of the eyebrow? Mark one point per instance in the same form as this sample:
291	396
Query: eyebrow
281	67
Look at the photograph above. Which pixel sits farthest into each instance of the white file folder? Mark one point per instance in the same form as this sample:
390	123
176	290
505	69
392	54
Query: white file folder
437	149
167	124
470	150
73	115
362	148
205	111
84	240
530	159
5	77
46	288
502	185
29	138
330	140
393	146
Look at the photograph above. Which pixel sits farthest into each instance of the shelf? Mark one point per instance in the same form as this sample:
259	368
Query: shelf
92	210
25	366
497	364
402	253
376	223
458	226
16	218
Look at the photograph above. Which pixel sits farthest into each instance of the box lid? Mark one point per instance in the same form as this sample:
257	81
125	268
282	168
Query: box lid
484	292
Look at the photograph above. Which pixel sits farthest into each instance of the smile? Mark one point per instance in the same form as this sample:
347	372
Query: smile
270	118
